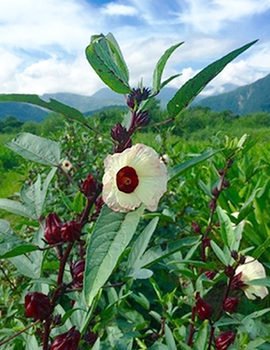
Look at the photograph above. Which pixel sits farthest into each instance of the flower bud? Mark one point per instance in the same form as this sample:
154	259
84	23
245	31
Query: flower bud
229	271
52	229
196	227
142	119
89	186
204	310
224	340
137	96
77	271
37	305
210	274
119	133
67	341
230	304
71	231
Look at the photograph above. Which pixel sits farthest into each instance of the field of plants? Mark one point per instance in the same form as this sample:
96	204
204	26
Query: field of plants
139	230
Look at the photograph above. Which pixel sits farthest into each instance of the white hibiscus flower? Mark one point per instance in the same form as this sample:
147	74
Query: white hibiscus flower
252	269
66	165
133	177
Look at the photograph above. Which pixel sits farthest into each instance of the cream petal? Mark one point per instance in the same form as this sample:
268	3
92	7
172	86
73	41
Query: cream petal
251	270
152	175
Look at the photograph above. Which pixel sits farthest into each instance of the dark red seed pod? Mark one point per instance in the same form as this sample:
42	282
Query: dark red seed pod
142	119
67	341
37	306
196	227
52	229
71	231
89	186
204	310
210	274
77	271
230	304
224	340
119	133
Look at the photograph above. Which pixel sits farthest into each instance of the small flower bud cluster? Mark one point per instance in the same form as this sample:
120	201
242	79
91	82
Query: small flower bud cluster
121	135
89	186
57	232
136	97
224	340
204	310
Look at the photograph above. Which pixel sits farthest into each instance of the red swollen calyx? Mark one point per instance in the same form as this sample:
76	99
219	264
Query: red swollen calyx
37	305
67	341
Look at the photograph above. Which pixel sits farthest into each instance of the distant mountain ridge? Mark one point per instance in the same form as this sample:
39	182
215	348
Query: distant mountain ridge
246	99
250	98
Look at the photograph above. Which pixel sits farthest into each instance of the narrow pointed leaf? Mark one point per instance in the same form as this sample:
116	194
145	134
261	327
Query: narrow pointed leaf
33	197
139	248
194	86
227	233
52	105
111	235
167	81
107	61
161	65
181	168
10	244
36	149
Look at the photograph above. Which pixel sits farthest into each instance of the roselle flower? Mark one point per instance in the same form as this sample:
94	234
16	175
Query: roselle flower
224	340
67	341
70	231
230	304
52	229
66	165
133	177
204	310
89	186
77	271
251	270
37	306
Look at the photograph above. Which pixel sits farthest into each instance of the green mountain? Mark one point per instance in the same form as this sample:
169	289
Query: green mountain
246	99
22	111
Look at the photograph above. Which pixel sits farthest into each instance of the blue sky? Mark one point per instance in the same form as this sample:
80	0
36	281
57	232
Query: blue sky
42	43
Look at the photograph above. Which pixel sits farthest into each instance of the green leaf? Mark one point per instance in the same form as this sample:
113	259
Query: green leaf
53	105
106	59
160	68
33	197
227	233
10	244
36	149
201	338
139	248
111	235
194	86
15	207
169	338
183	167
219	253
259	282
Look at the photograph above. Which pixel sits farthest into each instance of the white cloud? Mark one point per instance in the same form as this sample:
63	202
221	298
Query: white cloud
113	9
42	42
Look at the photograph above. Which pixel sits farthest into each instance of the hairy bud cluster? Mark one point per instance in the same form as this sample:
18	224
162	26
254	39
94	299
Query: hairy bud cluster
137	96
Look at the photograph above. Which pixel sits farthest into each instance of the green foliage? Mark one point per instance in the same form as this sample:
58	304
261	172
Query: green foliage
133	280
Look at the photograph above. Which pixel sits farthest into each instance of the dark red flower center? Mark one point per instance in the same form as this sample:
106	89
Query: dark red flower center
127	179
